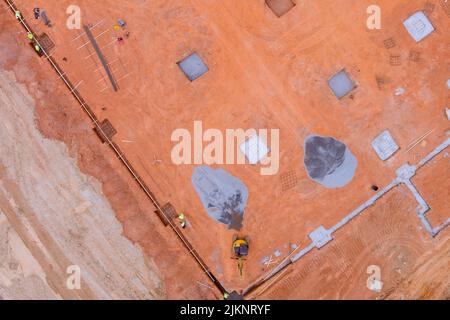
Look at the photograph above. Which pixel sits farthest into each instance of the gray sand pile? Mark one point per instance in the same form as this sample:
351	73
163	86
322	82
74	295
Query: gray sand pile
329	161
223	196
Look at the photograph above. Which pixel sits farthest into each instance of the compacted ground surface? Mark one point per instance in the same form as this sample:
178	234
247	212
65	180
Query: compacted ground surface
264	72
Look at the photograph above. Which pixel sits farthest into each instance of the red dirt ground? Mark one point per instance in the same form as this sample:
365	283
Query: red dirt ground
265	72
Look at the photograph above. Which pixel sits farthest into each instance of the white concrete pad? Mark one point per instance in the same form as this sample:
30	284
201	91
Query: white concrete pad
254	149
384	145
418	26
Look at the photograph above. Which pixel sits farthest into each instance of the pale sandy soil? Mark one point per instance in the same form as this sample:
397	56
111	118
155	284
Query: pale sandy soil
21	276
430	277
53	216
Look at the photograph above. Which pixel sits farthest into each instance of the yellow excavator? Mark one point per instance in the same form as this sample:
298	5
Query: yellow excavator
240	251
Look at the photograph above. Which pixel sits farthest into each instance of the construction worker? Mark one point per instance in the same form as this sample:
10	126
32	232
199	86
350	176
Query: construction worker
182	218
30	36
37	48
226	296
18	15
37	13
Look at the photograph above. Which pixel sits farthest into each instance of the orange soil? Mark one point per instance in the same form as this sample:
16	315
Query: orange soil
265	72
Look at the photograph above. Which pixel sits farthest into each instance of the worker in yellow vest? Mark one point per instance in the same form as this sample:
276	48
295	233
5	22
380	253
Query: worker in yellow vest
37	48
182	219
30	36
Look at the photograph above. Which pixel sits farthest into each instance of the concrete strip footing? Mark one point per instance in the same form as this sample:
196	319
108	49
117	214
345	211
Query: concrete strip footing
321	236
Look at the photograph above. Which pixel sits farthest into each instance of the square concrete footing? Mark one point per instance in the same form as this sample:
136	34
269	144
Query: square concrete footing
320	237
384	145
193	66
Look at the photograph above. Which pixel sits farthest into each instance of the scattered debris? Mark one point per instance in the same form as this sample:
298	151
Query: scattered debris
399	91
156	161
381	81
121	23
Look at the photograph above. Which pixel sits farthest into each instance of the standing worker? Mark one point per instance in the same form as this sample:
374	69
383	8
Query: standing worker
37	13
18	15
182	220
30	36
37	48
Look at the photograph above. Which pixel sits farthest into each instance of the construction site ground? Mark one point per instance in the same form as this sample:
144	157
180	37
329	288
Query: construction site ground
264	72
